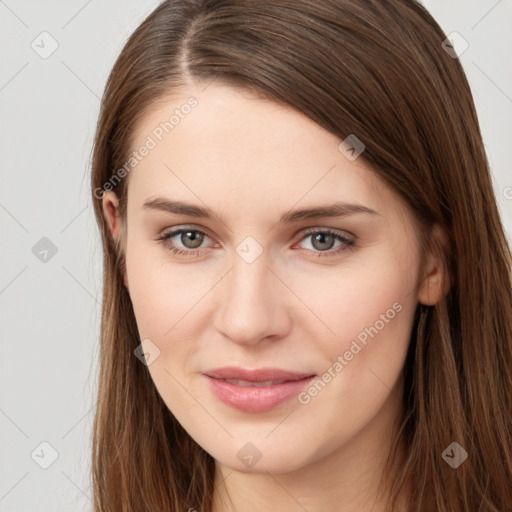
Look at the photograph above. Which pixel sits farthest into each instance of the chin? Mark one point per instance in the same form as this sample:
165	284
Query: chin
261	457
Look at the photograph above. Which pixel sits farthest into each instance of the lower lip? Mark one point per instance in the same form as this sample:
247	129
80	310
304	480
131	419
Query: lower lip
256	399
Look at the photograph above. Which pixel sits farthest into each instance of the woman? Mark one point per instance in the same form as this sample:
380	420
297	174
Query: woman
307	293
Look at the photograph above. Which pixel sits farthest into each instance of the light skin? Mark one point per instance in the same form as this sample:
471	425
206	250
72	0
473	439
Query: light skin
251	160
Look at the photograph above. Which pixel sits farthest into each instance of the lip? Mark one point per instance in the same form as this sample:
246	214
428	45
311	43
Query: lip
262	395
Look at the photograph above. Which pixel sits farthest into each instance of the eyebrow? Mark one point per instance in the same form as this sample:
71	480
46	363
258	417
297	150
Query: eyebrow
330	210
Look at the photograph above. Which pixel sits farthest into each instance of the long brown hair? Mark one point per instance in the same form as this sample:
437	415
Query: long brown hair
377	69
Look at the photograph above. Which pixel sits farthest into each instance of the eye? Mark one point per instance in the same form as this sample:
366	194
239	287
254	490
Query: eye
190	240
323	241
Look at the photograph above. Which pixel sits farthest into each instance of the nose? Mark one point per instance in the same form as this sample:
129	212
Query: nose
252	304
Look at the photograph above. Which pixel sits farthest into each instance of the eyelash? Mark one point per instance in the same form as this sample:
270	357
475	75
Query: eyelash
346	242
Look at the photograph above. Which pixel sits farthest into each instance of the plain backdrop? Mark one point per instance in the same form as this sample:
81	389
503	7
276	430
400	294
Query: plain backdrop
50	281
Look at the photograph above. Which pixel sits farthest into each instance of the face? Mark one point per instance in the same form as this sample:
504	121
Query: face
276	325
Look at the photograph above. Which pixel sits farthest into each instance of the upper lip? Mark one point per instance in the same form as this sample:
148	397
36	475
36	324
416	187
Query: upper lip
256	374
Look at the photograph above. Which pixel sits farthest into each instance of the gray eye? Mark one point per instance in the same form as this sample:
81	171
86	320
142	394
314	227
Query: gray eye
191	239
322	241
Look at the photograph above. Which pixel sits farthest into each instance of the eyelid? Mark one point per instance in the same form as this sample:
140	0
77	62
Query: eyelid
184	227
301	232
323	229
166	234
347	242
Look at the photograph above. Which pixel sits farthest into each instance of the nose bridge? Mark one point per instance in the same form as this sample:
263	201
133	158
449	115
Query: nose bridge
251	308
250	281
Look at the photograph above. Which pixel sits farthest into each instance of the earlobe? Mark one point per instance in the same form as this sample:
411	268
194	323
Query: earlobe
431	289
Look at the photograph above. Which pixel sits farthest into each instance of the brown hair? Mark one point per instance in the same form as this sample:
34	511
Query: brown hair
377	69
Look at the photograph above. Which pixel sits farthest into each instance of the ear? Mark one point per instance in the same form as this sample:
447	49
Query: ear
110	204
436	282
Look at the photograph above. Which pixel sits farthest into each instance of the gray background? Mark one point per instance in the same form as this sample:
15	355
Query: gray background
50	310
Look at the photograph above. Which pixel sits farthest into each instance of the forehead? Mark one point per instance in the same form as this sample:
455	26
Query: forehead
238	149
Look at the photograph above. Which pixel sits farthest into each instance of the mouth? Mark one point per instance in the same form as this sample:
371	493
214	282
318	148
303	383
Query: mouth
256	390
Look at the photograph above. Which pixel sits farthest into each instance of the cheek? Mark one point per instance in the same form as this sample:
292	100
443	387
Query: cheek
370	311
168	301
343	304
159	291
371	294
367	313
